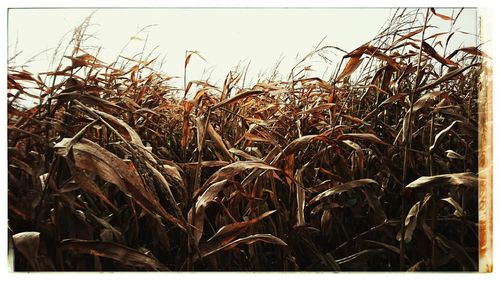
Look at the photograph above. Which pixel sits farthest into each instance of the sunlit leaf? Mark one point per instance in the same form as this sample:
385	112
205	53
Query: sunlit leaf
28	243
459	179
342	188
440	136
459	212
352	64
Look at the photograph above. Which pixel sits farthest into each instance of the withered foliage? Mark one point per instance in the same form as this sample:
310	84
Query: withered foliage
373	169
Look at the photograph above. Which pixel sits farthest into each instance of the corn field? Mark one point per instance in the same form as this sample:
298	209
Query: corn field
372	169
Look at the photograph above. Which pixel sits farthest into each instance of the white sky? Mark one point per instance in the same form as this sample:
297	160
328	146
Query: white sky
225	37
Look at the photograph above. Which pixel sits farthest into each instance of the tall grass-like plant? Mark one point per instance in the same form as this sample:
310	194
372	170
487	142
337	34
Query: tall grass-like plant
374	168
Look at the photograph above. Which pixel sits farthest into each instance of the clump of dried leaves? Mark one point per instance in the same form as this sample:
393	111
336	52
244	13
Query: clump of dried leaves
114	170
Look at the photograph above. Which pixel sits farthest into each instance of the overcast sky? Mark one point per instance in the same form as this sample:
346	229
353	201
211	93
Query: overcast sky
224	37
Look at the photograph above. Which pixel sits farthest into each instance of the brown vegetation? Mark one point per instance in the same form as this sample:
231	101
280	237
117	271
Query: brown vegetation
375	169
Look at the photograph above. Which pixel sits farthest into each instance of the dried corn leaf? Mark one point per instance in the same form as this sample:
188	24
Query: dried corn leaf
300	195
459	212
89	186
237	98
440	136
114	251
199	208
125	130
233	169
470	50
440	15
28	243
407	36
342	188
266	238
351	66
90	157
467	179
361	136
229	232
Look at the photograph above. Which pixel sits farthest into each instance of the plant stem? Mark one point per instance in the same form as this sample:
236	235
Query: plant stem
434	207
407	147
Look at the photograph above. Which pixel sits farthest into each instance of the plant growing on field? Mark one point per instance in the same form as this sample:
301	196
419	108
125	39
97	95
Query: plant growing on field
372	169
